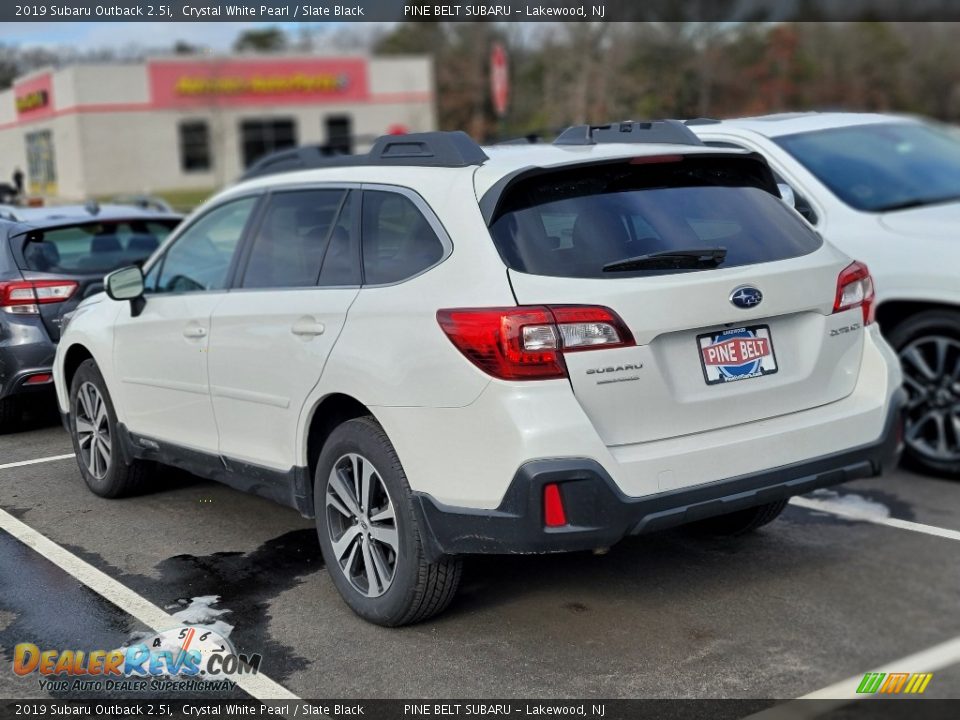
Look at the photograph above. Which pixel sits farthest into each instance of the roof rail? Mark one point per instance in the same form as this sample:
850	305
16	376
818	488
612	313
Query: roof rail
429	149
702	121
672	132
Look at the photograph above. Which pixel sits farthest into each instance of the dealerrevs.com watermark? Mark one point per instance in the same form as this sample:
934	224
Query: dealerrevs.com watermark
185	659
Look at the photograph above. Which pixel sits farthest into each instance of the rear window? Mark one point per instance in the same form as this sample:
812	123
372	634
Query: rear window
573	222
92	247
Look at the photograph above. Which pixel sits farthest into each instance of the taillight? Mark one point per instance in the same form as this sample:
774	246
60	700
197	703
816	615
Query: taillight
23	297
855	289
526	343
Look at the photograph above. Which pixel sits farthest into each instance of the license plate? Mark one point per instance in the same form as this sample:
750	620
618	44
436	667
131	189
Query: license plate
736	354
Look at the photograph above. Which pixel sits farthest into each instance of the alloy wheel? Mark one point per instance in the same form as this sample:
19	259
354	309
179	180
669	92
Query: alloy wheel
931	368
93	431
362	525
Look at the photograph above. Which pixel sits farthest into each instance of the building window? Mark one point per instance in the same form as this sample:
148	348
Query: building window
264	136
41	167
339	134
194	146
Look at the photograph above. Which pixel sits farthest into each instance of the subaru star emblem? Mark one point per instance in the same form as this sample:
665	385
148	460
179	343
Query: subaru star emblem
746	296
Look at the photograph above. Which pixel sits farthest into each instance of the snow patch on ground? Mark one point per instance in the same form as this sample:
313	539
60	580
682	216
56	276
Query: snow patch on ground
200	611
195	611
849	505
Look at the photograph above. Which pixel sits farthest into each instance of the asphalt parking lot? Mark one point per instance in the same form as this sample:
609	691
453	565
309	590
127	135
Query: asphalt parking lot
812	600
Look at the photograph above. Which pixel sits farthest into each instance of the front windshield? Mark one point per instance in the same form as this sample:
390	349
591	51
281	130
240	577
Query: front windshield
882	167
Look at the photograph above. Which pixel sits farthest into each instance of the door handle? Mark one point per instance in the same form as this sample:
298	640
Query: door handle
307	326
194	332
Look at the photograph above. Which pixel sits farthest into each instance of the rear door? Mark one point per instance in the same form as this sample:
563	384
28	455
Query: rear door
271	335
749	339
81	254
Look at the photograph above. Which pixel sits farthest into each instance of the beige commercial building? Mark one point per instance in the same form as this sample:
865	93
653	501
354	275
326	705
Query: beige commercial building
165	124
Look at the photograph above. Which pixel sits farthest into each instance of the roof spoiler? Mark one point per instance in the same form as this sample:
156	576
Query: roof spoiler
673	132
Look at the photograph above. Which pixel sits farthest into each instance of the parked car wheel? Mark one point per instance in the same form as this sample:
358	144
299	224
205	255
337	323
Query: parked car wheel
368	531
93	426
10	413
742	522
929	348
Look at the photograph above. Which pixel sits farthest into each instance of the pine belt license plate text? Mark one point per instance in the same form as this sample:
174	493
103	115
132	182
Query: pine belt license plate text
736	354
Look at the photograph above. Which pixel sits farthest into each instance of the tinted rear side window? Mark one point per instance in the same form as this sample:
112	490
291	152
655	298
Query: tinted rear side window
292	239
341	264
398	241
572	222
92	247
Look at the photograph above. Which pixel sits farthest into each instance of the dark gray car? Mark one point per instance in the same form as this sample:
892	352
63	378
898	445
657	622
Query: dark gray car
51	259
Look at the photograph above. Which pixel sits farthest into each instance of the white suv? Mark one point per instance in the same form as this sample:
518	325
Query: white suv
884	189
438	349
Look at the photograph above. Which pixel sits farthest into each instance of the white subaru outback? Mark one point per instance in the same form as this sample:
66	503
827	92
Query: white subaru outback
437	349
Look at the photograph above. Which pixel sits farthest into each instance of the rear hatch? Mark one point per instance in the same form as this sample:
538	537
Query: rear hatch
740	330
67	262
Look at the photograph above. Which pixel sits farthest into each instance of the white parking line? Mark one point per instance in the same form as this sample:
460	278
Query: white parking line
938	657
34	462
259	686
818	506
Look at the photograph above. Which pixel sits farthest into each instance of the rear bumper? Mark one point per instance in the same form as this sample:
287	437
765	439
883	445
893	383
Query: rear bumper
18	363
599	514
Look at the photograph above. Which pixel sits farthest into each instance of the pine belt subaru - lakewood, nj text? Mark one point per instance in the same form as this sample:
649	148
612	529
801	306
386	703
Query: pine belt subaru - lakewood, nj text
437	350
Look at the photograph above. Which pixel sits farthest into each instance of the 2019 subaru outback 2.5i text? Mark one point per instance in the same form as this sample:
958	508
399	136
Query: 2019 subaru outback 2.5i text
439	350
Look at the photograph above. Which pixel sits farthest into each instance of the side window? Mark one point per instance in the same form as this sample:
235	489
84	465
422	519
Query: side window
398	242
800	203
292	239
200	258
341	264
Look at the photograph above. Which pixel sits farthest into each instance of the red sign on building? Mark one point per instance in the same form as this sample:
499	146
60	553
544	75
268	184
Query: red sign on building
257	82
34	97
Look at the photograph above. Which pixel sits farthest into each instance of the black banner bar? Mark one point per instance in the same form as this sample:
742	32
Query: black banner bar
865	709
495	11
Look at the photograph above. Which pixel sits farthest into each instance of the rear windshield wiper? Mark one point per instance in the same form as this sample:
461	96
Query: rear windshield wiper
690	259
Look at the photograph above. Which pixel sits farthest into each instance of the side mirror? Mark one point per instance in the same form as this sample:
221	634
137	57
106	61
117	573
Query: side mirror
786	192
126	284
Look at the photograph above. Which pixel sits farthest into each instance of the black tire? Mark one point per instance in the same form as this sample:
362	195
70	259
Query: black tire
417	589
918	336
741	522
11	413
120	478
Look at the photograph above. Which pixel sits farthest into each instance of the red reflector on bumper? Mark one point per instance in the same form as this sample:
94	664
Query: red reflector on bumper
553	512
39	379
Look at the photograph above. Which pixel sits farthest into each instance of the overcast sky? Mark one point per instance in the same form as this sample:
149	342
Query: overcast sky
117	35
